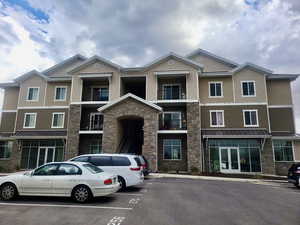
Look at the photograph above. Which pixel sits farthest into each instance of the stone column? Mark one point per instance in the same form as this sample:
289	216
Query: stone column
110	133
72	148
267	160
193	137
150	140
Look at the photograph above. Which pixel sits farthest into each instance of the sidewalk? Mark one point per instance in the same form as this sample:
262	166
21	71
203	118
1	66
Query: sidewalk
197	177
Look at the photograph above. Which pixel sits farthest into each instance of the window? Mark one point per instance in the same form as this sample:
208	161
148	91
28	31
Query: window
172	120
250	118
60	93
47	170
215	89
67	169
217	118
81	159
100	93
58	120
29	120
172	149
5	149
92	168
171	91
283	150
96	121
33	94
101	160
95	147
120	161
248	88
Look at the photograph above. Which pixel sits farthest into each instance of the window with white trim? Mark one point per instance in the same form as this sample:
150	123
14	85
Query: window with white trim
283	150
250	118
172	149
60	93
29	120
215	89
33	94
172	120
171	91
217	118
58	120
248	88
100	93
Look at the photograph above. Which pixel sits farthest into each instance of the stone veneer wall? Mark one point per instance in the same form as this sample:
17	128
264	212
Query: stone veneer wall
282	168
194	157
13	163
131	108
73	131
268	165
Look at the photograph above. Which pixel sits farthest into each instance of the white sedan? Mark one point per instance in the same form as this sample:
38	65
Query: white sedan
78	180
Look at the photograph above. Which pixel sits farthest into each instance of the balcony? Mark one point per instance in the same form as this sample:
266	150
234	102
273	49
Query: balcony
96	91
172	124
91	123
171	89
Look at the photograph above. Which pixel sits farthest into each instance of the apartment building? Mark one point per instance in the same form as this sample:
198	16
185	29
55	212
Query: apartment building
194	113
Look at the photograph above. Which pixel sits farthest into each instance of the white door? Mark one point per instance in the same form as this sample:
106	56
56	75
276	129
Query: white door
45	155
229	159
40	182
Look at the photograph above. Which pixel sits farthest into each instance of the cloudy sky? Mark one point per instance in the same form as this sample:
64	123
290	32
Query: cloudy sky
35	34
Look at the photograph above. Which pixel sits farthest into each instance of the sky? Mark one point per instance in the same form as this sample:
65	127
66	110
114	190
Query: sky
36	34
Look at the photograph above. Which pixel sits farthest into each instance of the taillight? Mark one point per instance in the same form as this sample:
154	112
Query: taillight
108	182
144	166
135	168
297	171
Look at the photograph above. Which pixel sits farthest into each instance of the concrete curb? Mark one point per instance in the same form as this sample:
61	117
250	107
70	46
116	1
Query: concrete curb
252	180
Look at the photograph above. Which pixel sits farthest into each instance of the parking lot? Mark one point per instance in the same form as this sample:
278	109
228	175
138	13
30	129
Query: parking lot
166	201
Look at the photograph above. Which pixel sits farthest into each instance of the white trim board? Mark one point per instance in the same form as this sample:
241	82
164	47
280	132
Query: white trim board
91	132
44	107
233	104
279	106
172	131
90	103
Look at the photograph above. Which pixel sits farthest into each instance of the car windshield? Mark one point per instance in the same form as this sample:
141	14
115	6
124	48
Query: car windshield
92	168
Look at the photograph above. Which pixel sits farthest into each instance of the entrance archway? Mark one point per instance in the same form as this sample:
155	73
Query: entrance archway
131	134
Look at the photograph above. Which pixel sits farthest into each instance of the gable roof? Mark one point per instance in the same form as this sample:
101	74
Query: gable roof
29	74
285	76
252	66
70	60
174	56
200	51
92	60
129	95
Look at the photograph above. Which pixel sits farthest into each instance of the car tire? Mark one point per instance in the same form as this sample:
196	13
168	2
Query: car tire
8	191
122	183
81	194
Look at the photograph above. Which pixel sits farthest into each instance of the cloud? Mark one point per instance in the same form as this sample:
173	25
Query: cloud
135	32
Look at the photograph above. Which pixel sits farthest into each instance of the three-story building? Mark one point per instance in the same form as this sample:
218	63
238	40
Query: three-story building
198	113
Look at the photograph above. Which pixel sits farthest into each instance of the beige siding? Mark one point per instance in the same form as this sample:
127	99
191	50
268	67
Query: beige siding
279	92
10	100
64	69
260	84
50	94
172	65
227	90
233	116
282	119
43	119
297	150
210	64
7	121
114	89
33	81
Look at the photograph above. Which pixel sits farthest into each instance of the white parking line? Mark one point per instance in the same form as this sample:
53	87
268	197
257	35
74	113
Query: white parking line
65	206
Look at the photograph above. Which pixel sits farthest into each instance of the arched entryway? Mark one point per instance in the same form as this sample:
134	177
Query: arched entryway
131	133
127	117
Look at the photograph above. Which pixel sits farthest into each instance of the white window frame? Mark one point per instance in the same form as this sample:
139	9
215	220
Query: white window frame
180	149
254	85
293	148
38	95
99	86
215	82
24	123
250	110
90	119
63	121
55	92
175	84
210	117
175	112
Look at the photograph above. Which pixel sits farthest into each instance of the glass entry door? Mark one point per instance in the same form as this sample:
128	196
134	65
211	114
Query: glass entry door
45	155
229	160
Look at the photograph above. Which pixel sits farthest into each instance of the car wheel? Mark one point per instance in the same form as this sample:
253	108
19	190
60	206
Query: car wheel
122	183
8	191
81	194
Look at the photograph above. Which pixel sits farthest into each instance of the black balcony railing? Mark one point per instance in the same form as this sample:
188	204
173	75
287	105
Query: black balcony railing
172	124
169	95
